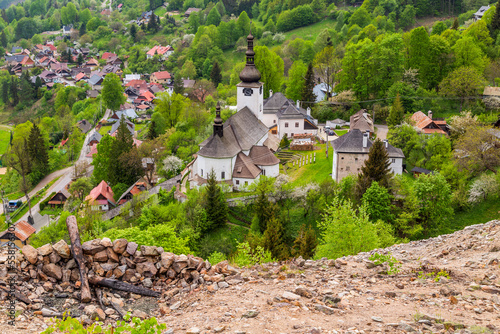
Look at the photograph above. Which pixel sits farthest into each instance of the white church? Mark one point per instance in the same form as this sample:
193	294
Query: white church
240	150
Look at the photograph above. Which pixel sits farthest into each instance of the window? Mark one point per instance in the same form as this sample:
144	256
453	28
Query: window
296	124
274	121
347	168
342	169
286	125
274	132
291	134
260	90
355	159
358	169
223	175
202	172
342	158
393	160
237	182
263	171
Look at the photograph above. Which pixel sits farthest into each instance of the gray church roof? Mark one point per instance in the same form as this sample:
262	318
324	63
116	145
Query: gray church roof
274	103
241	131
352	142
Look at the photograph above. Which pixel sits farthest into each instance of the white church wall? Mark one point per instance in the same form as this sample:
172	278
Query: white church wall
221	167
271	171
240	182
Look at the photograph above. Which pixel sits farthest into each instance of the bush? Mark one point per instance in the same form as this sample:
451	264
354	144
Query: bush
44	203
484	186
216	257
246	257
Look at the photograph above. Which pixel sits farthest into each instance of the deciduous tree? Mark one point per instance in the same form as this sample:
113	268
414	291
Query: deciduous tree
397	113
296	80
271	68
464	82
112	92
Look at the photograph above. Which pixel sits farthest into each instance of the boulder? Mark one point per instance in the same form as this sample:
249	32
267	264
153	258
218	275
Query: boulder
62	249
53	270
106	242
149	251
92	247
119	271
109	266
30	253
120	245
167	259
112	255
146	268
54	257
131	248
101	256
45	250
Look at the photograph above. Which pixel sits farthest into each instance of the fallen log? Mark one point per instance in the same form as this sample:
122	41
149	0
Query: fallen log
18	295
118	309
76	248
98	294
119	285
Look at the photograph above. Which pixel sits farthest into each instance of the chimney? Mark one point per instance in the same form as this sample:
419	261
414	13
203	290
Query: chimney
429	113
386	143
365	140
308	111
298	104
270	92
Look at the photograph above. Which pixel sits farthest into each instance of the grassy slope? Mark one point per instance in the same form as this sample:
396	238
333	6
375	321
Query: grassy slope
315	172
4	141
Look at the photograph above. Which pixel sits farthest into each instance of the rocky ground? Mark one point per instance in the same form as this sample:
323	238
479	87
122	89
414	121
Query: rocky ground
446	284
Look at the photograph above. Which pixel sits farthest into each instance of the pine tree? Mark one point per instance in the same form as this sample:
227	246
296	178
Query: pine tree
3	39
5	92
274	240
153	24
178	85
455	24
307	93
215	74
133	31
215	203
376	168
152	131
83	29
37	152
13	91
495	22
124	136
284	141
306	242
80	59
397	113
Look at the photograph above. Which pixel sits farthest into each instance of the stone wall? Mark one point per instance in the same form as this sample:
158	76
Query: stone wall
147	266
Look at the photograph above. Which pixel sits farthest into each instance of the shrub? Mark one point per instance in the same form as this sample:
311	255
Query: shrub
484	186
216	257
246	257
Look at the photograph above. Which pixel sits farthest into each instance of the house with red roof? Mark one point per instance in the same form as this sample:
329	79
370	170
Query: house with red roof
108	55
27	62
145	96
101	197
135	189
163	51
81	76
138	84
162	77
427	125
20	235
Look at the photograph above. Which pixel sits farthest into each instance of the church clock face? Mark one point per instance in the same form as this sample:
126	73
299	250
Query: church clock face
248	91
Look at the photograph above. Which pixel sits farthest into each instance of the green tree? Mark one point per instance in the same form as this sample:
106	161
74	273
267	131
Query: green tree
397	113
306	242
271	67
215	74
213	17
13	91
264	209
346	231
407	17
5	91
468	53
361	17
438	28
296	80
3	39
103	159
112	92
462	83
307	91
38	154
455	24
171	107
188	70
495	22
327	65
133	31
80	187
418	53
215	203
375	168
274	239
377	202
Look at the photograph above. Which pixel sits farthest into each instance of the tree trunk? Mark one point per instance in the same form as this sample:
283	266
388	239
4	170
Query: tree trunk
119	285
18	295
76	248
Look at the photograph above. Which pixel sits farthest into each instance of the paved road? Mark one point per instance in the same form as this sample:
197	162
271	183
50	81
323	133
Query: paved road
66	175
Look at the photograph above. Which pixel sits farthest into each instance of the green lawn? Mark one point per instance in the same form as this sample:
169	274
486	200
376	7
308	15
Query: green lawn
160	11
341	132
316	172
104	130
310	32
4	141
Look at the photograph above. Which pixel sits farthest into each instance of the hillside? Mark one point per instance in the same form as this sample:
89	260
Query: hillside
347	295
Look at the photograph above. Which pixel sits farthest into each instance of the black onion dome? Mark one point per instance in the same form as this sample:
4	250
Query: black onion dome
250	73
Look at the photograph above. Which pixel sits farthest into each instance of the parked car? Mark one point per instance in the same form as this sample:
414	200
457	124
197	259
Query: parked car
14	205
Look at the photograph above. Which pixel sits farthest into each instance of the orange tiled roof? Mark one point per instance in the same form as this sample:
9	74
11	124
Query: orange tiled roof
162	75
22	230
102	189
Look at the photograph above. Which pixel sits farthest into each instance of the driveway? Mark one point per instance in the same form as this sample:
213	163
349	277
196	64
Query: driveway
66	175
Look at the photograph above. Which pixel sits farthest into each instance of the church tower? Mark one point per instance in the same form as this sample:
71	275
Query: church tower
250	89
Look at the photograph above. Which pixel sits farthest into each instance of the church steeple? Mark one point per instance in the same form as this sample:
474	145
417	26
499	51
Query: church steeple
218	125
250	73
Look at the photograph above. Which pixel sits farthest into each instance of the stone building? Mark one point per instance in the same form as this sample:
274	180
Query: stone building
351	151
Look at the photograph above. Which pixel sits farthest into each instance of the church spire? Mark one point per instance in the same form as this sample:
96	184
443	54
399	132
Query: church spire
218	126
250	73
